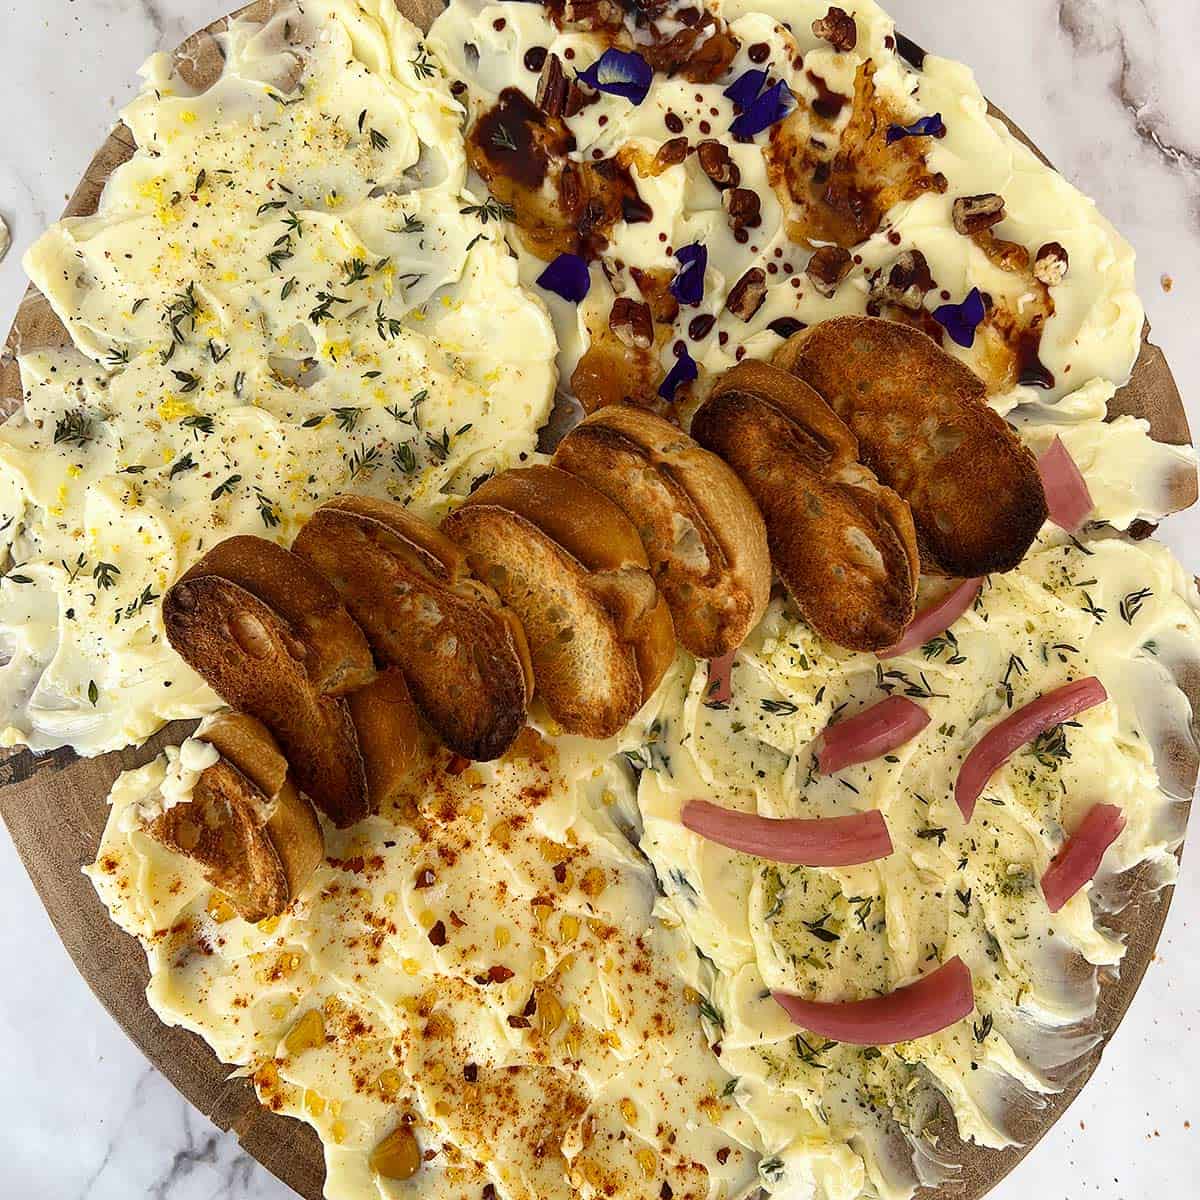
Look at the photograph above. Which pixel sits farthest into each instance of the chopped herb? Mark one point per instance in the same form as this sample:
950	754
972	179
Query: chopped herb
982	1028
312	422
266	510
779	708
347	418
364	461
270	206
404	459
226	488
730	1087
490	210
288	288
292	224
74	428
13	577
182	465
809	1053
938	833
818	930
943	644
134	607
182	308
387	327
1131	605
198	424
189	381
378	140
771	1169
105	574
356	270
1089	606
923	690
711	1014
964	898
238	380
422	65
439	447
1050	746
324	308
411	225
93	693
1016	665
138	303
216	353
502	139
117	356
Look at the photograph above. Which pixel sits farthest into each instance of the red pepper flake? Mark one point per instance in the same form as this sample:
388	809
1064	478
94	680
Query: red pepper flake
499	974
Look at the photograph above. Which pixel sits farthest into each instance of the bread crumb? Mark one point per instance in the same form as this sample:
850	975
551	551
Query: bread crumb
1167	282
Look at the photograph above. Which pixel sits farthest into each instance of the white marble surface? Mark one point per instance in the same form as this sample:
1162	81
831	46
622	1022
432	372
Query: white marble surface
1107	89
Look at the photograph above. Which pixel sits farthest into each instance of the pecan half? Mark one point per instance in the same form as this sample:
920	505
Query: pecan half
906	283
552	88
717	165
748	294
671	152
1051	265
630	321
974	214
827	268
745	211
838	29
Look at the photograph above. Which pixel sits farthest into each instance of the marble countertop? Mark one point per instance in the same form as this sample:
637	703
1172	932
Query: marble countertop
1105	88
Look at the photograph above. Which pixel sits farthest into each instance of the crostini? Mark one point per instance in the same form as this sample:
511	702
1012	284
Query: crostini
843	544
925	428
463	657
573	567
703	533
253	835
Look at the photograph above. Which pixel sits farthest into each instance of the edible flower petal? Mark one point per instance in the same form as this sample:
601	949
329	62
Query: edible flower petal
620	73
1067	494
993	749
933	1003
688	285
567	276
936	619
684	371
829	842
932	126
744	90
1079	859
772	106
720	679
869	734
961	320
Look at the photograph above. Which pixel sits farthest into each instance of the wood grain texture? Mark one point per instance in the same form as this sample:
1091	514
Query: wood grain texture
54	806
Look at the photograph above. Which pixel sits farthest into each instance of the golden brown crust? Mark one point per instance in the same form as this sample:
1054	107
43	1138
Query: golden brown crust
395	744
588	675
843	544
703	533
292	826
337	659
925	428
458	652
255	661
589	527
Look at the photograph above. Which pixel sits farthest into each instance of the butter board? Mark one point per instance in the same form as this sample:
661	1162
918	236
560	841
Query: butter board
54	805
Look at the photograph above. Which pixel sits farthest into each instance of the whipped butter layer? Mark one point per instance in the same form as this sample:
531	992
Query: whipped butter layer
285	294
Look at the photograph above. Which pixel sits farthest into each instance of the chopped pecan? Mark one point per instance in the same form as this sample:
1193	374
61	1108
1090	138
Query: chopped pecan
552	88
1052	263
838	29
827	268
671	152
1140	530
592	14
743	207
974	214
717	165
748	294
631	322
907	282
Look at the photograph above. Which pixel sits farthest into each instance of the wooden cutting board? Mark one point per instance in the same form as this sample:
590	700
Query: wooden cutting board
54	806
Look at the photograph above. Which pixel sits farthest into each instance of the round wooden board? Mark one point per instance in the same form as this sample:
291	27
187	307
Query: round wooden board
54	806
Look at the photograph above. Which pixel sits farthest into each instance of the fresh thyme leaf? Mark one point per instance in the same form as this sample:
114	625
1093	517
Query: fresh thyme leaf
105	574
404	459
1016	665
134	607
779	708
730	1087
1131	605
117	356
771	1169
347	418
387	327
502	139
181	309
356	270
182	465
324	309
364	461
808	1053
422	65
271	206
933	832
439	447
411	225
226	488
312	422
238	380
217	354
1050	747
138	303
1089	606
288	288
93	693
280	255
266	510
379	141
711	1014
964	898
923	690
75	428
490	210
982	1028
188	380
292	224
362	120
818	930
198	424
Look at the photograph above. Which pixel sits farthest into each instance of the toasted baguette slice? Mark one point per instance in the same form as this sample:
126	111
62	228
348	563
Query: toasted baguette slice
925	428
843	544
291	825
464	660
254	660
396	745
588	526
338	659
702	531
585	629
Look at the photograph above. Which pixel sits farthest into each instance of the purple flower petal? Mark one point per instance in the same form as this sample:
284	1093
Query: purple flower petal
684	371
932	126
961	320
620	73
772	106
743	91
688	285
567	276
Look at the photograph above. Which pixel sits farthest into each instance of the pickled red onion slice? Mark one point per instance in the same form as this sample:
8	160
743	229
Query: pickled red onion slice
1067	496
870	733
828	842
991	751
1079	859
720	679
935	619
932	1003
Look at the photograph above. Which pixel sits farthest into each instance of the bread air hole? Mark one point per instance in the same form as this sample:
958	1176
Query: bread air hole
251	635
